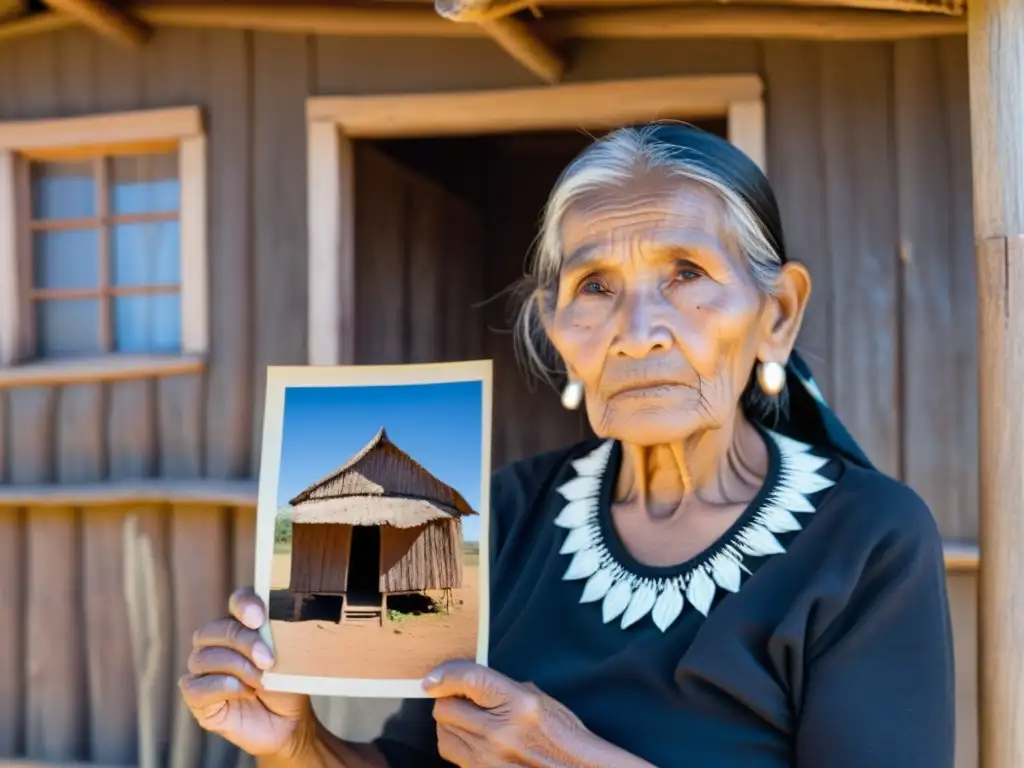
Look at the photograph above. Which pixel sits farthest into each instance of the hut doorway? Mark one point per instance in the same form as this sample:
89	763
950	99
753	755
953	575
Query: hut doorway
442	229
364	566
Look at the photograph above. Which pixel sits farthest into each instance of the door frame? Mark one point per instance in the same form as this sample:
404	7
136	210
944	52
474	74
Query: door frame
334	122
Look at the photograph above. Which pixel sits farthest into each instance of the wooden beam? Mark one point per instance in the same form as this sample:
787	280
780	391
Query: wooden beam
142	126
476	11
578	105
35	24
107	19
105	368
995	51
388	20
405	20
750	22
944	7
526	47
239	493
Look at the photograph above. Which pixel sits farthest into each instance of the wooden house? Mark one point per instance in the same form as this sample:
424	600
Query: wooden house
379	525
191	190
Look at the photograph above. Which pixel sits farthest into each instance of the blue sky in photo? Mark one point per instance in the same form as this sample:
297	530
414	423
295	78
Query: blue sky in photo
438	425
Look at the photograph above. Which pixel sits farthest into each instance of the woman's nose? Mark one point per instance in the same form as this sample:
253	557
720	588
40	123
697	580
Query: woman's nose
644	329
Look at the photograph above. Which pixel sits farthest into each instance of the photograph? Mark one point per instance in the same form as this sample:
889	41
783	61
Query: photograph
372	525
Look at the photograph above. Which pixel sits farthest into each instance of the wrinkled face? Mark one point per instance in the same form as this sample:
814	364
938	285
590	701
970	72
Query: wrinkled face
656	313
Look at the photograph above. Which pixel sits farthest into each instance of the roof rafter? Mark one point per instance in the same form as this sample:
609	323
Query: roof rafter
107	19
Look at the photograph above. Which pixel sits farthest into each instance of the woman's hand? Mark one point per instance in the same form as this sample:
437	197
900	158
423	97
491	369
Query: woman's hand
485	719
223	686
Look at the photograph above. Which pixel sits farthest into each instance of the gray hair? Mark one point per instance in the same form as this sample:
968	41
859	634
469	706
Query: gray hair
614	161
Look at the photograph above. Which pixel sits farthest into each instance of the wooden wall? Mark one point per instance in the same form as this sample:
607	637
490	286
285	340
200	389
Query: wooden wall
867	147
67	685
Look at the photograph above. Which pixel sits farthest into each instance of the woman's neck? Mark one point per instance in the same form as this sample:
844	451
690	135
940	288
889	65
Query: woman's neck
720	467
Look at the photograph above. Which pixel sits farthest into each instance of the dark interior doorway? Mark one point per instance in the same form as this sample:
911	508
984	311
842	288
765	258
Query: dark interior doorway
443	229
364	566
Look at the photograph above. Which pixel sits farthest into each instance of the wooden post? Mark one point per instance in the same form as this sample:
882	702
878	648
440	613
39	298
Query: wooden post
995	52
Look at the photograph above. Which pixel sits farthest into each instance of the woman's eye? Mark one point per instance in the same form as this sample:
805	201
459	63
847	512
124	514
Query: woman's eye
592	286
688	274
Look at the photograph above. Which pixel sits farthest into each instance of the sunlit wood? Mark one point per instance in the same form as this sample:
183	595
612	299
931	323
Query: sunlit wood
523	45
106	18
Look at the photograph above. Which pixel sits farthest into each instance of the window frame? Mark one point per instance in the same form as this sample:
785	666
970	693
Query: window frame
333	122
79	138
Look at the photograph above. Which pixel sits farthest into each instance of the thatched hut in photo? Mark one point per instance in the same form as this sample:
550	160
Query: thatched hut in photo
379	525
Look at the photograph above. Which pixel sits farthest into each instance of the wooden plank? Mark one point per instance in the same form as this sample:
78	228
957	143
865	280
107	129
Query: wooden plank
174	67
111	689
794	124
106	368
12	650
180	426
200	574
229	402
963	422
327	225
131	429
588	105
130	492
746	125
153	522
142	126
1001	320
963	603
281	81
738	22
380	230
10	265
424	264
244	543
55	697
995	50
195	293
861	214
315	19
933	461
131	410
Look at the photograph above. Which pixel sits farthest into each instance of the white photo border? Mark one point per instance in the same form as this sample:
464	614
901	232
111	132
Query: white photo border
281	378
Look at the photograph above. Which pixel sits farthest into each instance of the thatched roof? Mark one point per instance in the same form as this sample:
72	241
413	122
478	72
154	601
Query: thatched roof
379	485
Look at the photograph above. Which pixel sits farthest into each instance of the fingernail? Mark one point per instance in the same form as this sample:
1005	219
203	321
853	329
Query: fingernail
431	680
262	656
253	617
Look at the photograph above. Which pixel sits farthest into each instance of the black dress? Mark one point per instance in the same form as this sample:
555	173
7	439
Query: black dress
814	633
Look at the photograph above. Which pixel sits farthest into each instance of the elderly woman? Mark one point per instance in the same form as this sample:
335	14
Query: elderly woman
720	578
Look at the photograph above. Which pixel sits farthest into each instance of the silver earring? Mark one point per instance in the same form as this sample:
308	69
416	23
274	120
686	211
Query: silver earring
572	395
772	378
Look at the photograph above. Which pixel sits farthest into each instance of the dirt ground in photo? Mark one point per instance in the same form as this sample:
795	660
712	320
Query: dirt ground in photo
405	647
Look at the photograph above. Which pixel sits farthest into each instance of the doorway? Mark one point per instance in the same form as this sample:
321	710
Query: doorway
443	227
363	587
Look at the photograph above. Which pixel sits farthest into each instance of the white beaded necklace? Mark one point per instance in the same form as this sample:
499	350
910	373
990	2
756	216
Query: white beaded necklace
628	597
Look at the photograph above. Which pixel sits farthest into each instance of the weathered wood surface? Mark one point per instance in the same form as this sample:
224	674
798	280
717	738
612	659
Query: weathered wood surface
995	50
868	147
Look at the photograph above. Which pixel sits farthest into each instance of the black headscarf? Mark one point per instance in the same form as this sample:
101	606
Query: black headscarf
808	417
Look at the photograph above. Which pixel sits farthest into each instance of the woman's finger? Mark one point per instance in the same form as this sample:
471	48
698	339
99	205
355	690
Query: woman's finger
457	746
469	680
246	606
207	691
228	633
460	713
215	660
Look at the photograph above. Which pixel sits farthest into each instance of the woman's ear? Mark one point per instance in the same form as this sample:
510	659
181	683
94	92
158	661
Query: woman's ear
786	312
